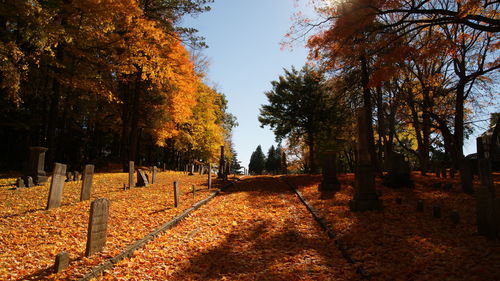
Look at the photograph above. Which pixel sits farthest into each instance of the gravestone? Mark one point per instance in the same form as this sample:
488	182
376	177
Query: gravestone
131	182
56	186
76	176
209	175
36	164
466	176
222	163
487	205
398	175
69	177
365	195
28	181
20	183
88	174
142	179
98	225
329	183
153	175
62	262
176	194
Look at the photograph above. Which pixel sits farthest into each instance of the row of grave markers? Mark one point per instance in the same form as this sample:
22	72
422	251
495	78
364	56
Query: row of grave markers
98	225
366	198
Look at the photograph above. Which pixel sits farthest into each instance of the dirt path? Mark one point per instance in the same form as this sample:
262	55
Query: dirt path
256	230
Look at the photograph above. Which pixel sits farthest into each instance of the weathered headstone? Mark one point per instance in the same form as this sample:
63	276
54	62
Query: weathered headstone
98	225
62	262
131	169
398	175
56	186
176	194
69	177
365	196
20	183
28	181
209	175
153	174
142	179
329	182
76	176
36	164
466	176
88	174
222	163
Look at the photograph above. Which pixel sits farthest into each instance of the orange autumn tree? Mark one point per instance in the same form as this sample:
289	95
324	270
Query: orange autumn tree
106	80
378	37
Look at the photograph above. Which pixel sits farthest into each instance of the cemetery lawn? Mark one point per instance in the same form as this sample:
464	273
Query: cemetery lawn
255	230
31	237
399	243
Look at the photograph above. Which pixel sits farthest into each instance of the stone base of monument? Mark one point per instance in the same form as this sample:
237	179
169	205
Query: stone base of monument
365	197
40	179
365	202
328	190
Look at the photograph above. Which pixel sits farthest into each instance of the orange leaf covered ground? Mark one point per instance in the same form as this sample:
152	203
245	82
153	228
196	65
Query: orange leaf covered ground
256	230
30	236
399	243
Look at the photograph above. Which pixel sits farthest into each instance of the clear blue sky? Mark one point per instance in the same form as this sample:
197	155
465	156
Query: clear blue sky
244	50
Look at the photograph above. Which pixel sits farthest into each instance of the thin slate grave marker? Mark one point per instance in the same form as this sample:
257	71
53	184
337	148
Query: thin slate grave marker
176	194
88	174
56	186
98	225
131	182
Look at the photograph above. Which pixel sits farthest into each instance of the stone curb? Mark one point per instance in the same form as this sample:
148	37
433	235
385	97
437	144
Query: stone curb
128	252
331	234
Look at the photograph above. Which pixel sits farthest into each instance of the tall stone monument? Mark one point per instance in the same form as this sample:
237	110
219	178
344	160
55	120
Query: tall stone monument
365	196
36	163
